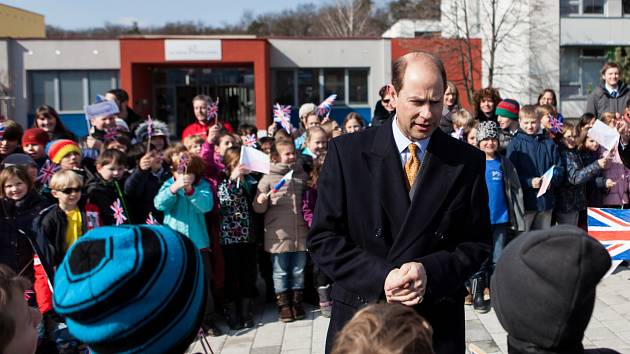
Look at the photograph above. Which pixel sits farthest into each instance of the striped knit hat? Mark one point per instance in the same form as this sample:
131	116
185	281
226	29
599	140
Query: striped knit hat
58	149
132	289
508	108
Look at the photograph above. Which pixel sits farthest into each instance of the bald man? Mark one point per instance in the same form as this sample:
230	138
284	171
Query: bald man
402	211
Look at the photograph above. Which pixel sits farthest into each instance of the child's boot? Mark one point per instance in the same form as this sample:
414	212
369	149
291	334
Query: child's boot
325	303
284	307
296	304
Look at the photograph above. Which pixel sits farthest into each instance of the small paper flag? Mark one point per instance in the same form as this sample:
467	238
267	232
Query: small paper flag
282	115
119	213
284	180
151	220
326	106
184	159
213	110
46	172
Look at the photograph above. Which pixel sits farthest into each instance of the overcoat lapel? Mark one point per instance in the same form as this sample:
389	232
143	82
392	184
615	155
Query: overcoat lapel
434	184
388	185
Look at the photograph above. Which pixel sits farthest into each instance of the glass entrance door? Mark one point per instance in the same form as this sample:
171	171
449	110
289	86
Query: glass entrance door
174	89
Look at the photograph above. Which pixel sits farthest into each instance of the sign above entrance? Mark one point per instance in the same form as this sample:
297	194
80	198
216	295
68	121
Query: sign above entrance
192	49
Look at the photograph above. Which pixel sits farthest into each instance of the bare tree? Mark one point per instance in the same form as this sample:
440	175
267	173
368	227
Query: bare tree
347	18
503	25
459	17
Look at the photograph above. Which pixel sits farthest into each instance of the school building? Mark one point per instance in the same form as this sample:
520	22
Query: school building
163	73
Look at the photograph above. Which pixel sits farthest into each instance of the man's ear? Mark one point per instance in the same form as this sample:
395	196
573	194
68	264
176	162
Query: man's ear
54	193
391	91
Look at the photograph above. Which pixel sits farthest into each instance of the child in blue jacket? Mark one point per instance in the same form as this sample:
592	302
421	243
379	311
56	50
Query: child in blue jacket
532	153
184	199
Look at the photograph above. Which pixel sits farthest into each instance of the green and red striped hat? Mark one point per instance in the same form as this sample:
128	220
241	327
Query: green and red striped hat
508	108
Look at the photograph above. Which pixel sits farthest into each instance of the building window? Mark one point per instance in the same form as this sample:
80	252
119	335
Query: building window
299	86
593	7
582	7
43	89
358	86
69	90
334	82
580	71
308	86
626	7
283	87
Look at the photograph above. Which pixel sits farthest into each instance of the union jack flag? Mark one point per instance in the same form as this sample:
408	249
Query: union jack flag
1	131
611	227
213	110
184	159
282	115
555	124
249	140
151	220
110	134
119	213
326	106
46	172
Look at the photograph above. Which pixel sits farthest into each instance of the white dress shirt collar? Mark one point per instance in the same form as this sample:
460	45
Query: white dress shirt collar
402	142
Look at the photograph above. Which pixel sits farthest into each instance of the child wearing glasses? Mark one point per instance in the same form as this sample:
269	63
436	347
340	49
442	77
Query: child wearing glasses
72	216
58	227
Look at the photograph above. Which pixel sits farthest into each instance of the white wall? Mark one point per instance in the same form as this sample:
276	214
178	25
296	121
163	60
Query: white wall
56	55
595	31
374	54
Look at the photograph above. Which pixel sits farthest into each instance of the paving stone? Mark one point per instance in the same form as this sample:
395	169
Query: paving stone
266	350
609	327
487	346
475	331
599	333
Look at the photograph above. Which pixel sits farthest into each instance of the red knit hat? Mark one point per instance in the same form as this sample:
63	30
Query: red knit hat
58	149
35	136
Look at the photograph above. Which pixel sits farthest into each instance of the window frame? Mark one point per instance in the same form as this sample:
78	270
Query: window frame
580	5
85	87
581	60
321	81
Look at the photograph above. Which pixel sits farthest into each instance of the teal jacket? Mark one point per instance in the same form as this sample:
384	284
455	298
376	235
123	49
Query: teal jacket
185	213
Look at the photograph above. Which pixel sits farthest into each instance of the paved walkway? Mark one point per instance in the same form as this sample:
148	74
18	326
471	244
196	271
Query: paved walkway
609	327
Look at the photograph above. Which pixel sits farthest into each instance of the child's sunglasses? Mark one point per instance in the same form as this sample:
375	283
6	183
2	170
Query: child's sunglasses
70	190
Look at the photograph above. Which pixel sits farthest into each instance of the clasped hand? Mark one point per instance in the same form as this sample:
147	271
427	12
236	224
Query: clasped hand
406	285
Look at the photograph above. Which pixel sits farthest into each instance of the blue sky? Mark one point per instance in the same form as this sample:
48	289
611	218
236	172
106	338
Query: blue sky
72	14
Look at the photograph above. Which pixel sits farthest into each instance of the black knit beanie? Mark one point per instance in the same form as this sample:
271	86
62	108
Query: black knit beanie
543	287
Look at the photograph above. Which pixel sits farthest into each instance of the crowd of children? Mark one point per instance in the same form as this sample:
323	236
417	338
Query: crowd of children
522	144
54	188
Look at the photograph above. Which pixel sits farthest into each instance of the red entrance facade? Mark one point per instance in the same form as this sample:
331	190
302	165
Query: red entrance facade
242	69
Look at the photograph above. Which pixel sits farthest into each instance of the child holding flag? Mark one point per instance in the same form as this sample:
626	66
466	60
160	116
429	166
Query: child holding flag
105	188
184	199
236	193
145	180
280	198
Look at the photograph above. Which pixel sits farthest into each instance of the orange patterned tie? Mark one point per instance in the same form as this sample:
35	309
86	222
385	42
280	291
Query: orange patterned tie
412	165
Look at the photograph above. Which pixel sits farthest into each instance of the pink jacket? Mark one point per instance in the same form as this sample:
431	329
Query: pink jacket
617	195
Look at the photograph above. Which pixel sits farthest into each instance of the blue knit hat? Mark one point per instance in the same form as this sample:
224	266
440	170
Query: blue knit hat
132	289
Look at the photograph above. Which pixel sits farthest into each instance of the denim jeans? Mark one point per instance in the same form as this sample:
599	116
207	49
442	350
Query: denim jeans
499	241
288	271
